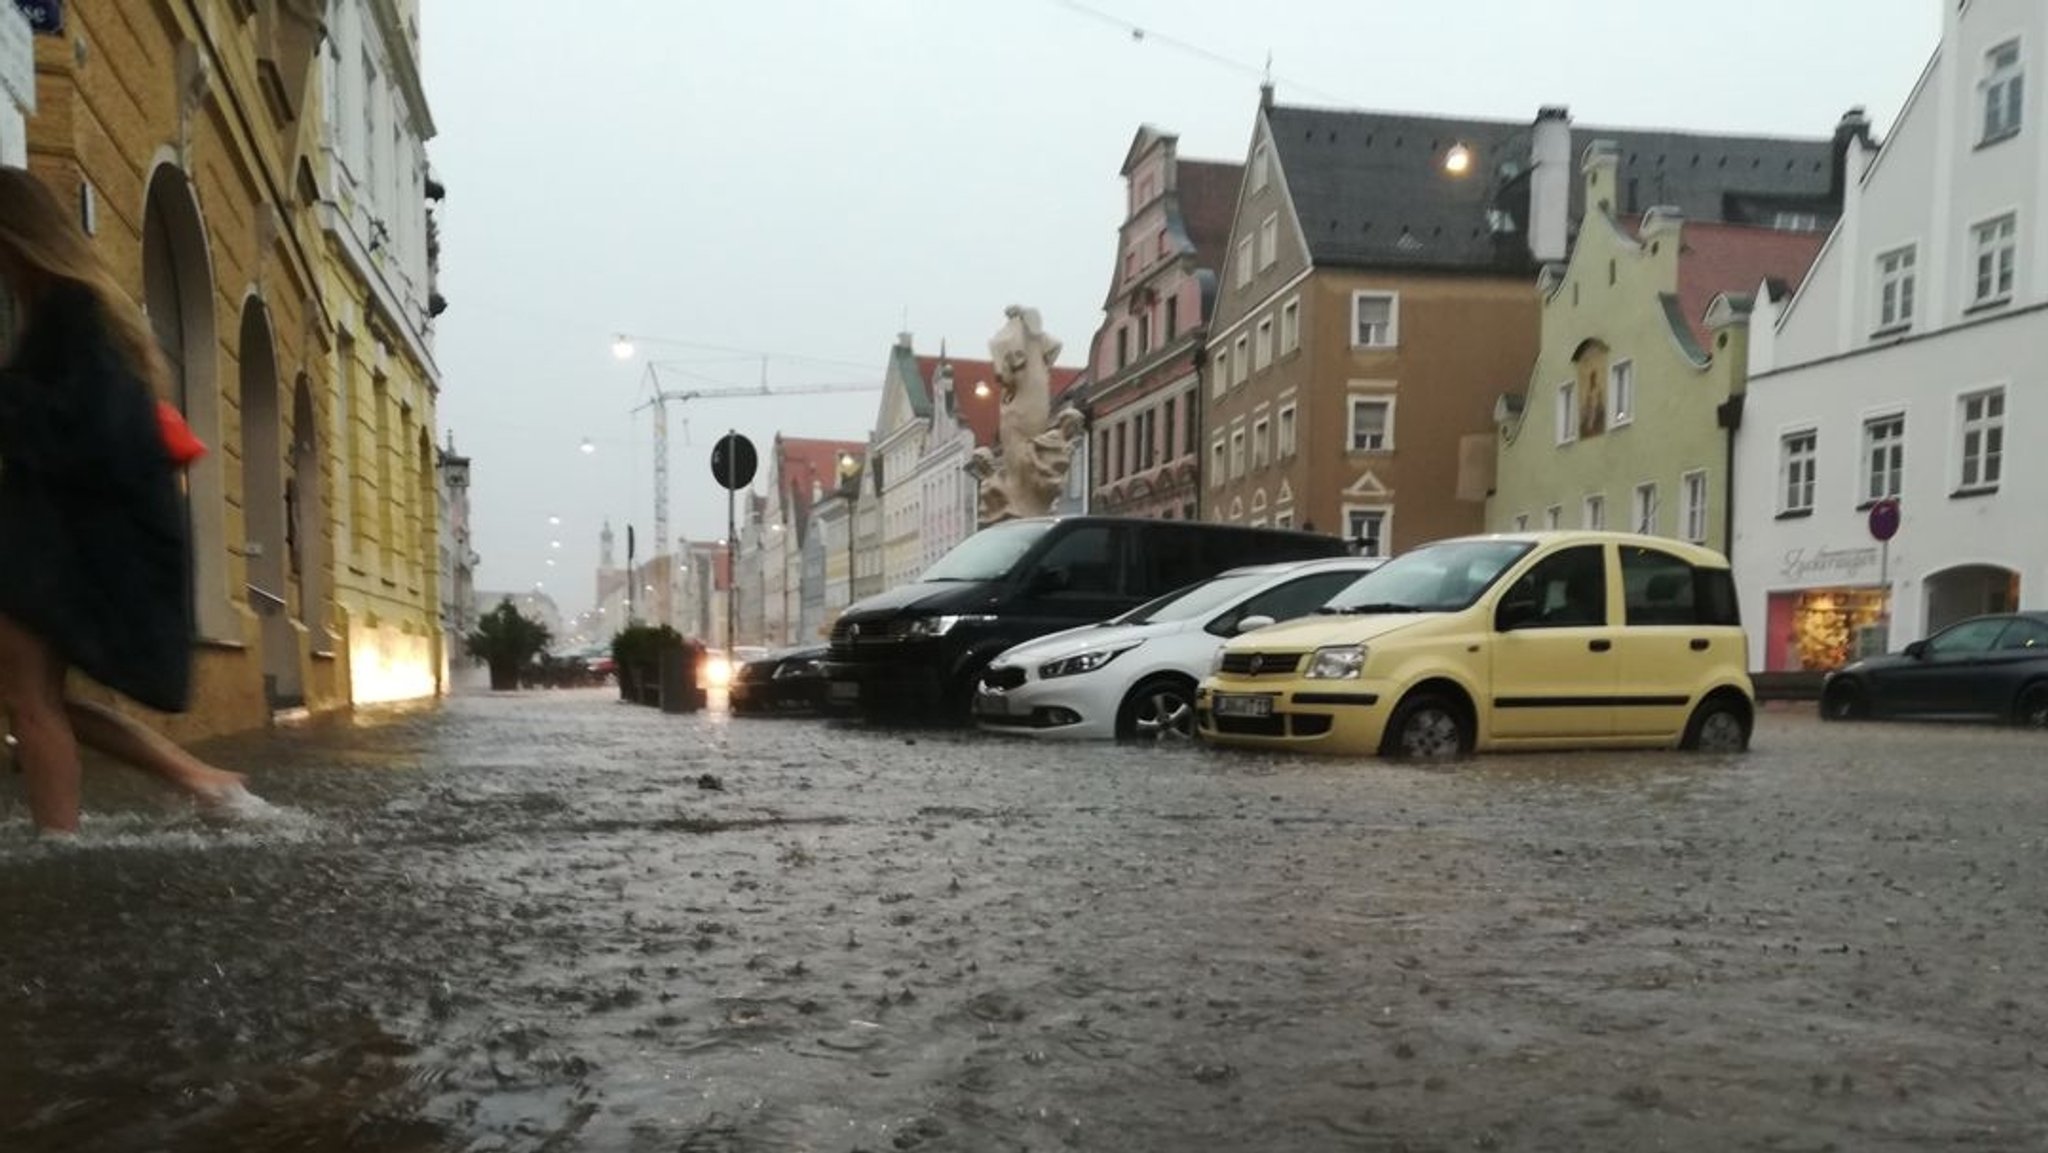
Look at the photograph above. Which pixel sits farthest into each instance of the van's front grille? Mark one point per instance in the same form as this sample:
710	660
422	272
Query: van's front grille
1261	664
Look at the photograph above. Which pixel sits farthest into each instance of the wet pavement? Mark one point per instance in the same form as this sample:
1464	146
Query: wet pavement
533	922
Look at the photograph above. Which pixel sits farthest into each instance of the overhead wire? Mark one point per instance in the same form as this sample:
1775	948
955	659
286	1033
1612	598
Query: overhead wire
1144	35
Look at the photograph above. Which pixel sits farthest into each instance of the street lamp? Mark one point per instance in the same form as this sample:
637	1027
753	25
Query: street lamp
622	347
588	447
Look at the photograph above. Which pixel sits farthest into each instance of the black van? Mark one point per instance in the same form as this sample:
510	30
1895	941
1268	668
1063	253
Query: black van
920	647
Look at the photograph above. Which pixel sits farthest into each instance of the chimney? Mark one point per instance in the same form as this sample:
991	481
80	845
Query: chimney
1266	96
1550	183
1853	127
1600	168
903	340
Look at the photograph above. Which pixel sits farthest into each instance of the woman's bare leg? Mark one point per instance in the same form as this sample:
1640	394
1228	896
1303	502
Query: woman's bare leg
135	744
44	742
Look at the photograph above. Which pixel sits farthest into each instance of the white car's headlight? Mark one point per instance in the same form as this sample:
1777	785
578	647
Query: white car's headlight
1080	663
1339	663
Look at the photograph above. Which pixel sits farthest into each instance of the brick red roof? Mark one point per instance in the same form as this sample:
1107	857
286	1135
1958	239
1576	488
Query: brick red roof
982	414
1718	258
800	461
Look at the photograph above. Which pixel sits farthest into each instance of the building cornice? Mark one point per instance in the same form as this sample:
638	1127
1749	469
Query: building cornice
404	60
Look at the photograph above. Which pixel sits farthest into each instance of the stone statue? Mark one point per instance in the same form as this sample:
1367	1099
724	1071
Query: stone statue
1037	448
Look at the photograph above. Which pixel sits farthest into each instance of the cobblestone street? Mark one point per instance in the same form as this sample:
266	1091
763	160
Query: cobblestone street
550	921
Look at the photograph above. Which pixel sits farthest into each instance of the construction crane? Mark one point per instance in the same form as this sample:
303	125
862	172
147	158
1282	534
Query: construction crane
663	397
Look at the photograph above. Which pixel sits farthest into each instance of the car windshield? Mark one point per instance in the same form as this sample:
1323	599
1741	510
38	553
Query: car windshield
1195	600
988	554
1442	577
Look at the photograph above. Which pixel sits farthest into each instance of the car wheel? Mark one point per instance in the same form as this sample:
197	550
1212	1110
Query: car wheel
1844	701
2032	712
1428	727
1161	709
1719	725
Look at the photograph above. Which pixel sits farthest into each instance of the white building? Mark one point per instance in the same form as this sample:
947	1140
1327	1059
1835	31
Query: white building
17	85
1907	364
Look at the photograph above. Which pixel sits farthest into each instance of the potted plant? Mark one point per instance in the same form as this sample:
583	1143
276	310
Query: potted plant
636	660
507	641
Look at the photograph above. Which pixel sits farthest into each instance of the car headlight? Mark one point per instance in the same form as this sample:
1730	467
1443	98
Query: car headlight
1339	663
939	626
1080	663
797	669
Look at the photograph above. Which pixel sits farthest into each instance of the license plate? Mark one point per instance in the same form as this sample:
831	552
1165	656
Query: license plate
844	691
1226	705
992	704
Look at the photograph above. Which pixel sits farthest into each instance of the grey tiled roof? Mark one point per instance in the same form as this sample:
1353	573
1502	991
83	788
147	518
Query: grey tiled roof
1369	187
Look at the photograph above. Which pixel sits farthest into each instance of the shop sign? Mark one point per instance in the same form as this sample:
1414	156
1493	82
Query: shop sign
1809	564
45	16
17	60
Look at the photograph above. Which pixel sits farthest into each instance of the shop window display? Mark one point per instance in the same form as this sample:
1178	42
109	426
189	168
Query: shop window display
1822	629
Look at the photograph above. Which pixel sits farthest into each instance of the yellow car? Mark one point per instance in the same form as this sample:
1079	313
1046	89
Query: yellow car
1525	640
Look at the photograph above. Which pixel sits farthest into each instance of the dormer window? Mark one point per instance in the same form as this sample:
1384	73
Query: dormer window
2004	92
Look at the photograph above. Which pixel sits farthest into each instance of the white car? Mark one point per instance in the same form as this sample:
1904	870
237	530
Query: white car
1135	676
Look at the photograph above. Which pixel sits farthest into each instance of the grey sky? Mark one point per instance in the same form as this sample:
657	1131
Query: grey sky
795	176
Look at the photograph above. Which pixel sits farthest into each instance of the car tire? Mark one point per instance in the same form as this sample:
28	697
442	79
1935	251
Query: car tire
1844	701
1722	724
1428	726
2031	711
1159	709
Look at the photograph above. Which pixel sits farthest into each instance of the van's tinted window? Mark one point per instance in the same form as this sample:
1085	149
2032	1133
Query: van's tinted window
1082	562
1171	556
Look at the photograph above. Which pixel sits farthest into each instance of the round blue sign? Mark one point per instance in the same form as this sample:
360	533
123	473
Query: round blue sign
1884	519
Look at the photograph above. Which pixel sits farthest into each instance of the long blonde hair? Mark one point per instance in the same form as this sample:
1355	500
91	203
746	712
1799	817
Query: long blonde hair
45	240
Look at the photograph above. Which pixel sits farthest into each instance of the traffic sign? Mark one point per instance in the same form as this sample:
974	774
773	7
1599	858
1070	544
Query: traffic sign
733	461
1884	519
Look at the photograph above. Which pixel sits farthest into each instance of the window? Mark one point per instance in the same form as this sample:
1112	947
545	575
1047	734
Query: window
1148	442
1144	333
1567	412
1657	588
1087	557
1796	456
1884	456
1895	289
1192	434
1216	463
1983	436
1567	589
2004	91
1241	363
1167	428
1123	346
1593	513
1375	317
1283	519
1372	424
372	138
1974	636
1172	317
1219	373
1102	473
1621	393
1692	506
1285	447
1120	435
1262	443
1367	528
1290	326
1795	222
2024	633
1997	248
1236	453
1262	352
1269	241
1643	508
1244	262
1260	165
1553	518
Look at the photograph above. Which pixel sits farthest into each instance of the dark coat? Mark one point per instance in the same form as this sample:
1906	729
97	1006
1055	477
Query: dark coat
94	551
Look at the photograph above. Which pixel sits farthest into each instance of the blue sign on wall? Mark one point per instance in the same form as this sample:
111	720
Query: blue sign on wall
45	16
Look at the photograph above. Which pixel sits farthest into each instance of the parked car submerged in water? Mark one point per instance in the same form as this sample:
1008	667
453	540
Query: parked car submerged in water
1988	667
1134	676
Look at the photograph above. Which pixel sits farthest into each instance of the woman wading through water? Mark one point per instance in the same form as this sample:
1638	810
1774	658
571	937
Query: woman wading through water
93	566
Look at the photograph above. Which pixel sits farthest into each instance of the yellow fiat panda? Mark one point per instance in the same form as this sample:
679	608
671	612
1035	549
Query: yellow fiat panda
1515	641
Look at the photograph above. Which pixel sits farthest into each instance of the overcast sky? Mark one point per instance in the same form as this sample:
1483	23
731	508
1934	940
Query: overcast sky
803	178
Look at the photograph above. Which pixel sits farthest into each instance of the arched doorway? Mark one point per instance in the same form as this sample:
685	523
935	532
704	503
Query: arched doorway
306	519
1970	590
177	279
264	511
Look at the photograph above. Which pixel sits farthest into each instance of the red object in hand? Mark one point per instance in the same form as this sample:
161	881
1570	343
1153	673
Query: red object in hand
184	447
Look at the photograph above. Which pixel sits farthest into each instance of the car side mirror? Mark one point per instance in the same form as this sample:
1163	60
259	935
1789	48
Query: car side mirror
1513	613
1252	624
1917	650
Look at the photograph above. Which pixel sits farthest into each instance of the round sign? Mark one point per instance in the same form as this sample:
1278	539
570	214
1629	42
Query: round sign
733	461
1884	519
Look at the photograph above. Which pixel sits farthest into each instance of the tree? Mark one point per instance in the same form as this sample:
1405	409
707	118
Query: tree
507	641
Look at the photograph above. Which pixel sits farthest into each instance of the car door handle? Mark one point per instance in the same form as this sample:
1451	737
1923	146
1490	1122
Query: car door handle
1599	646
1699	644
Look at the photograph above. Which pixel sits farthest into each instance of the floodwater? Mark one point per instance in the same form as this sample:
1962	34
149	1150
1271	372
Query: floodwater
534	923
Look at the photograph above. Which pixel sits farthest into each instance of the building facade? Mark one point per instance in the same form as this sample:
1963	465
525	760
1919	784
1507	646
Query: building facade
1906	368
1144	403
1626	422
379	254
458	557
801	470
1381	281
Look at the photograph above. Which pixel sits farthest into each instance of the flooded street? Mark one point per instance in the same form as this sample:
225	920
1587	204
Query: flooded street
550	922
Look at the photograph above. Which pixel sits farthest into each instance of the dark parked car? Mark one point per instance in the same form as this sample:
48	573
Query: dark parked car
919	649
1994	667
792	680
